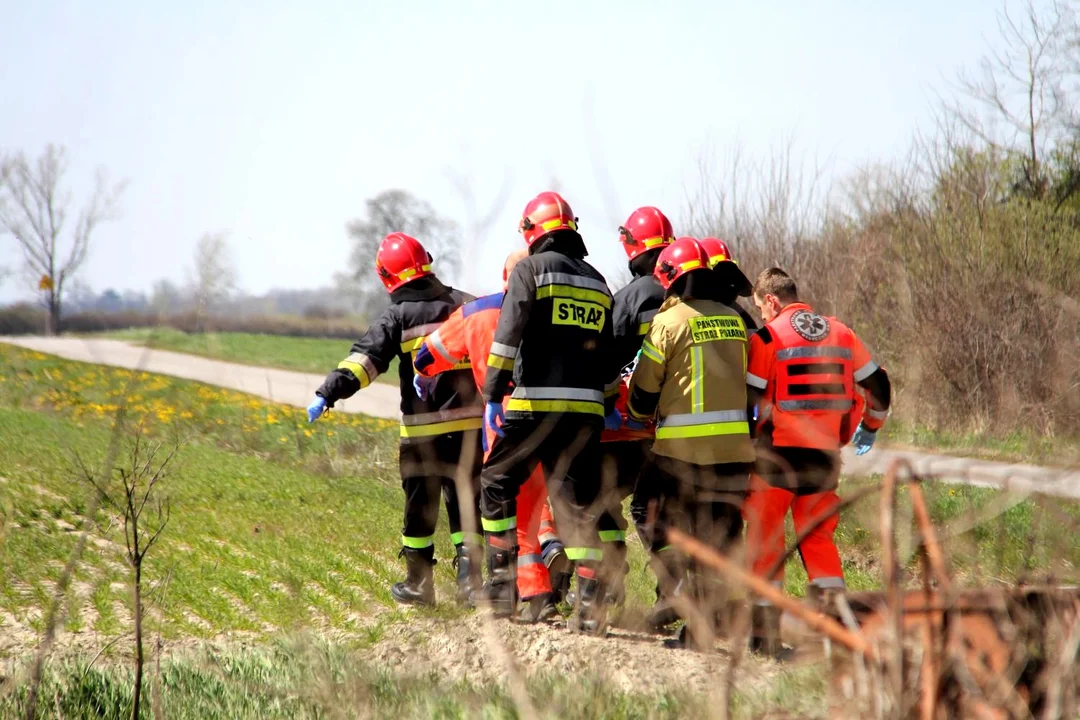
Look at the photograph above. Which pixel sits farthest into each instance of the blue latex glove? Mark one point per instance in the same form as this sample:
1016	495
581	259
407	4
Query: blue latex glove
613	420
634	424
422	385
316	408
493	412
863	440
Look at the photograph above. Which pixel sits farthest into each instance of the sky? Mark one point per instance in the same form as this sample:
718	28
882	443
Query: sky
274	121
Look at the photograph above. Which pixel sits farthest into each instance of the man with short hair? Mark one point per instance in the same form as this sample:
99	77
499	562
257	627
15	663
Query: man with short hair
805	371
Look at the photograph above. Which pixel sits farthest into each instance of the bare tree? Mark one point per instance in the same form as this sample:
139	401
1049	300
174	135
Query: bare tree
213	275
1024	96
34	208
146	514
395	211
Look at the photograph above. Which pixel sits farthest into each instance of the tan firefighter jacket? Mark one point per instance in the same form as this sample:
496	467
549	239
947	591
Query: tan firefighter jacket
692	376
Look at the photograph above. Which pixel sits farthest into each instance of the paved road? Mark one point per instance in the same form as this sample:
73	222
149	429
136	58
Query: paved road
294	388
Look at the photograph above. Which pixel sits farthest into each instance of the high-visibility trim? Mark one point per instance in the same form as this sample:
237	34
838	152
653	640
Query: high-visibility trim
612	536
689	265
666	548
813	351
756	382
470	537
529	559
500	363
574	293
697	380
436	343
643	328
361	366
877	414
558	222
716	259
713	416
440	428
866	371
465	364
650	351
443	416
419	331
573	406
417	543
498	526
612	388
579	553
655	242
790	405
412	345
409	272
556	393
506	351
705	430
578	281
829	583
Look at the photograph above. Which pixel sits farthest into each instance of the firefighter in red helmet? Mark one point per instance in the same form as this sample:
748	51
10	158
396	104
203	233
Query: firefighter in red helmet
691	378
552	343
437	432
806	373
731	283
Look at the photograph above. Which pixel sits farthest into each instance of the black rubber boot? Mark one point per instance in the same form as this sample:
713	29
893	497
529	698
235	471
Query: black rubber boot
590	611
560	570
418	588
467	564
765	631
501	586
538	609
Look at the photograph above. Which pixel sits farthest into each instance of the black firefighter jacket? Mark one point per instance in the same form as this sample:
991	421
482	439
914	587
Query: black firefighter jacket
416	310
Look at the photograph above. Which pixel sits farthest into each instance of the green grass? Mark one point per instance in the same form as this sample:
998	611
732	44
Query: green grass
1023	445
312	355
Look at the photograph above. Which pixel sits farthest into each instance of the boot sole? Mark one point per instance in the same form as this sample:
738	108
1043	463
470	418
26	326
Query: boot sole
412	601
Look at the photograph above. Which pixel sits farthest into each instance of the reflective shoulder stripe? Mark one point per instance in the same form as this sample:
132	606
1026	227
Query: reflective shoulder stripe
756	382
574	293
866	371
713	416
361	366
557	393
650	351
508	351
578	281
810	351
441	428
500	363
413	344
419	331
790	405
645	319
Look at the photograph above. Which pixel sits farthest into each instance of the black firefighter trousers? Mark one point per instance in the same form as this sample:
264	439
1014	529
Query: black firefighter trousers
431	465
567	447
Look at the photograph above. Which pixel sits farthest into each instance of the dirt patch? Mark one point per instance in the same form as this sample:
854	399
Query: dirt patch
632	661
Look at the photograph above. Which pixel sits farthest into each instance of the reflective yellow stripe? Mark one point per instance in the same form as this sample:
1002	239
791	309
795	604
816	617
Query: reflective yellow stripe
576	406
706	430
690	265
413	345
548	224
652	242
409	272
449	426
465	364
612	536
575	293
498	526
697	381
356	369
643	328
577	553
500	363
418	543
650	351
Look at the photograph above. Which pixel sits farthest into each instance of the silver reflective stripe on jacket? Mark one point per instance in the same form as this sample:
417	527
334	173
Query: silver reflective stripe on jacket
557	278
790	405
504	350
443	416
811	351
557	393
713	416
419	331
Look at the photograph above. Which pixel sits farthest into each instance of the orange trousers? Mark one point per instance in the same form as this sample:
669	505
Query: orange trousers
534	526
764	514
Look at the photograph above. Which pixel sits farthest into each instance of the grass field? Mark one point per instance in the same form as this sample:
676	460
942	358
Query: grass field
283	530
311	355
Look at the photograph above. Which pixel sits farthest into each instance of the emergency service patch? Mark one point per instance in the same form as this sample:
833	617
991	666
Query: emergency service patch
577	312
810	326
716	327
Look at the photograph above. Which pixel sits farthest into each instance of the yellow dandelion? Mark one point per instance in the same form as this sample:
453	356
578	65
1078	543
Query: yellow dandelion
186	415
329	433
271	420
308	433
283	440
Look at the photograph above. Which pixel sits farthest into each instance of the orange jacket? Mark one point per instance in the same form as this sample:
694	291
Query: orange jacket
808	368
467	333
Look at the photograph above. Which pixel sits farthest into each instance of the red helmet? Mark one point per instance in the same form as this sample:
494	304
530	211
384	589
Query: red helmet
680	257
401	259
546	213
717	250
646	228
